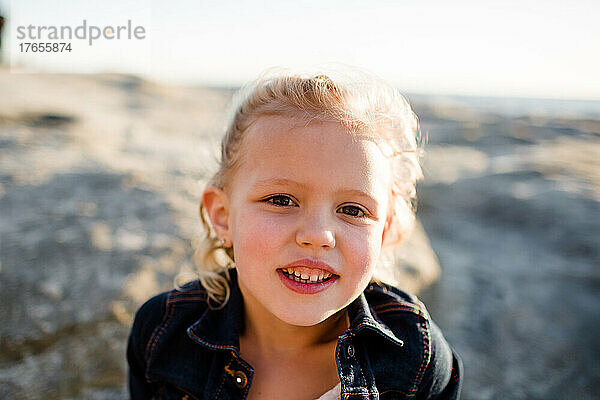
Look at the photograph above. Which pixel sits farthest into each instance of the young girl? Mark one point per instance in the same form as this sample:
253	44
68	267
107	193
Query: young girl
317	175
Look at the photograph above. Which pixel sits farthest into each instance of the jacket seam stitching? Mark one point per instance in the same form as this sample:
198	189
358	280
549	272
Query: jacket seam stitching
158	331
362	393
210	345
186	392
221	385
396	306
400	303
425	335
396	391
182	299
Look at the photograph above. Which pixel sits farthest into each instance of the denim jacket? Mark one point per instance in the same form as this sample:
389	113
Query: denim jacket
179	348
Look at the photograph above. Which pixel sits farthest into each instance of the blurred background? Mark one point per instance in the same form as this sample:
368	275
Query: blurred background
105	149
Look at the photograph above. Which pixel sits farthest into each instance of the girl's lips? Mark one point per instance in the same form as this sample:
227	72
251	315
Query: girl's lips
310	264
306	288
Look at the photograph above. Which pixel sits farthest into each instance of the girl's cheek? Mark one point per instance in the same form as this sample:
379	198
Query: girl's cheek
365	245
262	234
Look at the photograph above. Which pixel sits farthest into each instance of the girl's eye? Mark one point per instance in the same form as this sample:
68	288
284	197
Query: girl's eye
280	200
353	211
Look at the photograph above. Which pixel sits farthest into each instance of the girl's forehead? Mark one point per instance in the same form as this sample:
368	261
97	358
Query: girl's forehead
272	129
314	152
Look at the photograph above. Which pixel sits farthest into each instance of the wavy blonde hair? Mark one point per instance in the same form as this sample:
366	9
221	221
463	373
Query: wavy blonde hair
365	105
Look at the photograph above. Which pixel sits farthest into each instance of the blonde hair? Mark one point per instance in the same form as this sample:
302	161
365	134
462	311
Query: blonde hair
362	103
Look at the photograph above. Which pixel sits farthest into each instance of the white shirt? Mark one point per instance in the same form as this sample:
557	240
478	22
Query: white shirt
333	394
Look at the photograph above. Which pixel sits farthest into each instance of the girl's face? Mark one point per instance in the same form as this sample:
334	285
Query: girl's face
308	200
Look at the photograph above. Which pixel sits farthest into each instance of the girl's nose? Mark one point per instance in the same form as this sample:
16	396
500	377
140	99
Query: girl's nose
315	235
323	239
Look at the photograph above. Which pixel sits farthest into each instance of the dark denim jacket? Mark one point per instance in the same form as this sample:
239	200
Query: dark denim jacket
179	348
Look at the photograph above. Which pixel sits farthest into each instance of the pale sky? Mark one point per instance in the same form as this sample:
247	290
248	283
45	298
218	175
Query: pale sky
509	48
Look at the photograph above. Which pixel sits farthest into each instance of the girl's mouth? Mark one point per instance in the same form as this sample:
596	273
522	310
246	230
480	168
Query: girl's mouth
306	284
319	277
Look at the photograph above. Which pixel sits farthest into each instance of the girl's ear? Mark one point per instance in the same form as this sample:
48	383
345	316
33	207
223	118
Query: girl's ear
216	204
397	227
385	236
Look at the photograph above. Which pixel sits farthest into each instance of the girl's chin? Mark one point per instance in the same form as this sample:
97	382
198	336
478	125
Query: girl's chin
308	318
304	319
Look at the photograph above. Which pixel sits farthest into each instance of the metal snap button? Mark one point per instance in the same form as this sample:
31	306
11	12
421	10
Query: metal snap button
350	351
240	379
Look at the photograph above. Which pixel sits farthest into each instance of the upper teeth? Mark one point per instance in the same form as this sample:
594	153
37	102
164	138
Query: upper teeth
314	276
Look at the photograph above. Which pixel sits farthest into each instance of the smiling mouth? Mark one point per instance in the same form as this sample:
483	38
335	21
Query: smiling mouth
321	277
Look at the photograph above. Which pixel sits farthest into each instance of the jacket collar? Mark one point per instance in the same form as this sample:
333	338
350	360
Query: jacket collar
219	329
362	320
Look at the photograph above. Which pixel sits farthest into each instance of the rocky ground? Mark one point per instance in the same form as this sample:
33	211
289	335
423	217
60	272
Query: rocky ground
512	209
100	178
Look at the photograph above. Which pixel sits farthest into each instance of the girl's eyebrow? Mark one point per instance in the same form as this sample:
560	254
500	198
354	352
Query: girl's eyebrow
359	193
266	183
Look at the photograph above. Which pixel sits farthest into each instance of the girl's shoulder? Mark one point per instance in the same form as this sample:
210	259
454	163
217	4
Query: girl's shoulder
177	307
159	344
191	297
